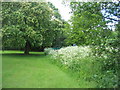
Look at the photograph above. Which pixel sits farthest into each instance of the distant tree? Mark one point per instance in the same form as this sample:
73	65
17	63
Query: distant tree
58	25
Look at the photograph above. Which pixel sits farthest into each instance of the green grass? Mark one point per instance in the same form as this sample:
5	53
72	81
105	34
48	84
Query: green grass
35	71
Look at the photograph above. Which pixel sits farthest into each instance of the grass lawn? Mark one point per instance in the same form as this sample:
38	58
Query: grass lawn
35	71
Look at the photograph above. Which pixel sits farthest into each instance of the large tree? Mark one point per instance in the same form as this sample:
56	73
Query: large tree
87	25
26	24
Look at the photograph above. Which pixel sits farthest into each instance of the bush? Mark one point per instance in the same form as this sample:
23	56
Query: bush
71	55
78	59
91	63
106	57
47	50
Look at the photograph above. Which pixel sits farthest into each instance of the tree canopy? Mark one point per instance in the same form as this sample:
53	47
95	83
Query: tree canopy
87	25
28	24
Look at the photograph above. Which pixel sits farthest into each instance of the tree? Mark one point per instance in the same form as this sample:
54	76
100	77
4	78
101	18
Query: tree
55	11
88	26
58	26
59	36
112	15
25	24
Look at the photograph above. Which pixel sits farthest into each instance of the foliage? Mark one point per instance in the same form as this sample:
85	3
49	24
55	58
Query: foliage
47	50
87	25
71	54
112	65
40	24
56	12
78	59
89	65
57	25
29	24
24	23
108	75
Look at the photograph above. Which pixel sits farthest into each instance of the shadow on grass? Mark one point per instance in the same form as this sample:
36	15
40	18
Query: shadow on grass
22	54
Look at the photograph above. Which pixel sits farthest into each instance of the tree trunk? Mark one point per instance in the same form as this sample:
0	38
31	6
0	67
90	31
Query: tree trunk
27	48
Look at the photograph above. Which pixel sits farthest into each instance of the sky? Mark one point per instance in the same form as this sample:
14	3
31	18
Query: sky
63	10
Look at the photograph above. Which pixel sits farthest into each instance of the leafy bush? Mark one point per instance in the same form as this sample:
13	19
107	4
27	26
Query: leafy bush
71	55
90	63
78	59
108	73
47	50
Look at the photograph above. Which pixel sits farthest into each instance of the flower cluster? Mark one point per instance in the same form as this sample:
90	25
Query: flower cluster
70	54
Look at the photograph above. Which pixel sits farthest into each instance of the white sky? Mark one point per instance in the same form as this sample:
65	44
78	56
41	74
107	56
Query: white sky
63	10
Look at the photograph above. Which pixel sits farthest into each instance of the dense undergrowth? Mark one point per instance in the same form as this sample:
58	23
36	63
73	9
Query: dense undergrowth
87	63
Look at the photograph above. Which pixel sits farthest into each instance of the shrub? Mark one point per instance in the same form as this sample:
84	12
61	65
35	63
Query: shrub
71	55
106	57
91	63
47	50
79	59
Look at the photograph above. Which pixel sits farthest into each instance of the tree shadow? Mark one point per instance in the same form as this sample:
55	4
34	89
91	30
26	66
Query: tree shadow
22	54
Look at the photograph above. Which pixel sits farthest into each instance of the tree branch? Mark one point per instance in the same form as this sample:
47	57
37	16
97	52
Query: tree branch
111	19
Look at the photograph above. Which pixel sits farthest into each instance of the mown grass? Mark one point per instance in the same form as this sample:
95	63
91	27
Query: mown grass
36	71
